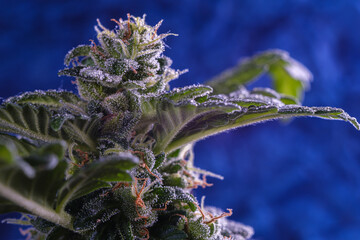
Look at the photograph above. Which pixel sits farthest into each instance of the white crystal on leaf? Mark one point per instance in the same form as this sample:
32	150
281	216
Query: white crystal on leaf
148	52
266	92
99	75
299	72
171	74
296	109
122	48
294	68
240	93
93	73
153	64
132	84
264	99
190	92
228	107
184	102
218	98
131	63
257	95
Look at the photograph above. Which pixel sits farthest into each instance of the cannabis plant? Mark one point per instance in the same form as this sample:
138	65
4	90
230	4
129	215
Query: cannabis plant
115	160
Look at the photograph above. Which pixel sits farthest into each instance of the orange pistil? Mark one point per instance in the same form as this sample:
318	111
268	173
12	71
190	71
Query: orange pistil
94	48
128	23
133	69
182	216
161	209
128	34
187	173
138	152
104	194
116	21
143	165
26	233
213	219
154	33
139	202
141	216
205	183
76	61
119	185
202	213
183	162
150	74
196	184
145	232
84	156
106	117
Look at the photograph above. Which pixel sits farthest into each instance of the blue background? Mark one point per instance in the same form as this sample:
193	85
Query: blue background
299	181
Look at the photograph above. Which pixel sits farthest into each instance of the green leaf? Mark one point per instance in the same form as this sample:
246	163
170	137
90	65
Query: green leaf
188	93
95	211
209	125
71	72
174	181
171	118
177	124
52	99
169	232
252	107
31	186
7	153
47	156
261	97
198	230
58	120
168	193
289	76
159	160
91	90
22	146
112	168
116	229
79	51
41	157
34	123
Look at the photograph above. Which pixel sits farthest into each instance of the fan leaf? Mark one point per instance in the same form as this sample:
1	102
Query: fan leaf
208	125
171	118
20	178
289	76
34	123
52	99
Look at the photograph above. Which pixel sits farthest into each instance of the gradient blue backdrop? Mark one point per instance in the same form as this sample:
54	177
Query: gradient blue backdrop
299	181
